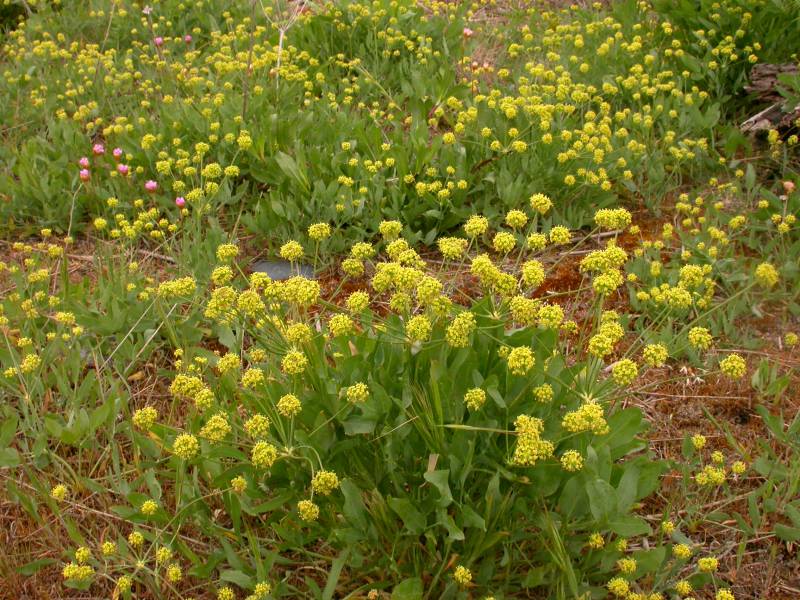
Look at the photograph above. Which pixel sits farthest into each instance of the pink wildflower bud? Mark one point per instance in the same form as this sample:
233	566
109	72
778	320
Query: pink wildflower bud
84	174
158	41
117	153
122	169
187	38
151	186
98	149
84	162
180	202
468	33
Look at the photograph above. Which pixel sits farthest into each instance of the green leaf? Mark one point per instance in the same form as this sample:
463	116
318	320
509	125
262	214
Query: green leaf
750	177
233	558
101	414
153	486
650	472
271	505
753	511
353	509
35	565
627	488
492	495
204	568
234	507
410	589
469	518
602	499
413	520
687	448
8	430
625	424
775	423
358	426
629	526
650	560
572	499
439	479
535	577
9	457
238	577
445	520
290	168
74	532
333	575
793	514
786	533
226	337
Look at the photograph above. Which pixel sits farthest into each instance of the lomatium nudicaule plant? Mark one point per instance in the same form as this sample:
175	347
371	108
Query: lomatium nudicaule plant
533	335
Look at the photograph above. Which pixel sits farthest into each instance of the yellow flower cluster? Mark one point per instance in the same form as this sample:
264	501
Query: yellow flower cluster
216	428
177	288
462	576
733	366
610	332
308	510
288	405
324	482
357	393
257	427
77	572
475	399
520	360
655	355
571	461
460	329
530	447
264	455
185	446
589	417
294	362
700	338
624	372
418	328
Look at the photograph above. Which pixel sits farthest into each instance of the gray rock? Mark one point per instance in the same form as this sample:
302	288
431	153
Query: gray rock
279	270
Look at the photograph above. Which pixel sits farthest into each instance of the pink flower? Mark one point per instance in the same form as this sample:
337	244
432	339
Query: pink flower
158	41
180	202
151	186
84	162
468	33
84	174
117	152
187	38
98	149
122	169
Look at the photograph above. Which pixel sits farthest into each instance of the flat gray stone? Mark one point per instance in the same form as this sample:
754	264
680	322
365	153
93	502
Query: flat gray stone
278	270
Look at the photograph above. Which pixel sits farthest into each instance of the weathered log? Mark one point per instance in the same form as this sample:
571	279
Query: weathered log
764	80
